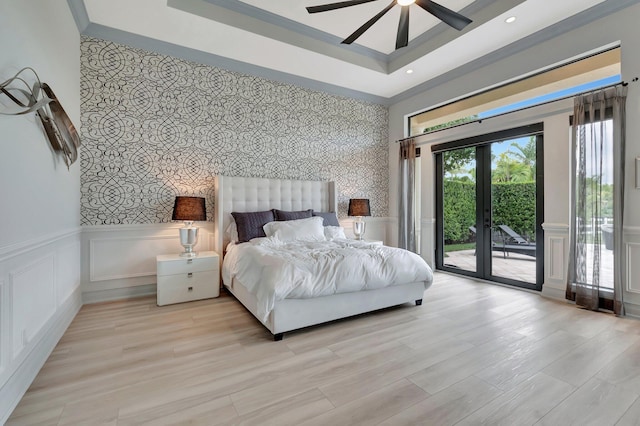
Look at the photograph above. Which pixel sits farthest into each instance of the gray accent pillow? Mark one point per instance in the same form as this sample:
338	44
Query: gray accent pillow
250	224
285	215
330	219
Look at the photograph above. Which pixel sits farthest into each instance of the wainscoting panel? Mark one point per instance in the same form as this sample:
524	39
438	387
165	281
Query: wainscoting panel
633	267
39	297
556	236
68	267
631	240
33	301
557	267
128	257
119	261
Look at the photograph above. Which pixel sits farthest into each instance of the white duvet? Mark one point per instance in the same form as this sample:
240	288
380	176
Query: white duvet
273	270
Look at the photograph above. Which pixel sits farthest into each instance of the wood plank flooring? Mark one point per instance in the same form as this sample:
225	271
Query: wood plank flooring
473	353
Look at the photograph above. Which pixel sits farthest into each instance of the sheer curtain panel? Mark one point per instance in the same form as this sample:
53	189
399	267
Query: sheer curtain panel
597	199
407	205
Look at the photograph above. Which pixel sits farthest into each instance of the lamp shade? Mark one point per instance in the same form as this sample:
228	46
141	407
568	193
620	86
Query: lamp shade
359	207
189	208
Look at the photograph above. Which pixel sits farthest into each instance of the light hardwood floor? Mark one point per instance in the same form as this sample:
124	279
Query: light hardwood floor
473	353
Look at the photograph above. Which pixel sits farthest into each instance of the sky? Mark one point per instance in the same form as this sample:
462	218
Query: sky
552	96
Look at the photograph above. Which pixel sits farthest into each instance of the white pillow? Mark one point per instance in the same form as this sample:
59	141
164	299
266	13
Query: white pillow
232	231
309	229
334	232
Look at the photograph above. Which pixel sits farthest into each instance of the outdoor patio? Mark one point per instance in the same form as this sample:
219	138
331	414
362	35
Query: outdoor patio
523	268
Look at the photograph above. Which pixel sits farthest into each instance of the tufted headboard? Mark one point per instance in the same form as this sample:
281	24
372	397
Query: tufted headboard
241	194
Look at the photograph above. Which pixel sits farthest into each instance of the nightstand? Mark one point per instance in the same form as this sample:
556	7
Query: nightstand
182	279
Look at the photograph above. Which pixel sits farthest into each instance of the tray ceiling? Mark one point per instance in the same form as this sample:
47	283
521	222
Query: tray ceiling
278	39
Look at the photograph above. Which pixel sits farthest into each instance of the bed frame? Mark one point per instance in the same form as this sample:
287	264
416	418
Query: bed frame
240	194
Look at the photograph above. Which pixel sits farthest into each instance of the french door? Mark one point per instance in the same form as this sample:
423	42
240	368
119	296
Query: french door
489	207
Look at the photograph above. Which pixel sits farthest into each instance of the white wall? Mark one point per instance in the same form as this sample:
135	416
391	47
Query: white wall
40	214
620	27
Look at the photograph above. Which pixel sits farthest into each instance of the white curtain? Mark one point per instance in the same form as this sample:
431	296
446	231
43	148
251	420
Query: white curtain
598	143
407	205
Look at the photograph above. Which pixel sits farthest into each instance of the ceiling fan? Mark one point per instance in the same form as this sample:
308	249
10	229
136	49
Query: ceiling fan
447	16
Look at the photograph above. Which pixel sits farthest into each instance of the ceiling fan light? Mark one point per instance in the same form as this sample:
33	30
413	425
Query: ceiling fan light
405	2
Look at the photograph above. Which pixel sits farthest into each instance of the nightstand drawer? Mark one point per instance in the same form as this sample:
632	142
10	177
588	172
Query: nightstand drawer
184	266
184	287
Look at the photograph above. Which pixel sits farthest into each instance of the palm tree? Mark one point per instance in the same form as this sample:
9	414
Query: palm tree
508	169
527	155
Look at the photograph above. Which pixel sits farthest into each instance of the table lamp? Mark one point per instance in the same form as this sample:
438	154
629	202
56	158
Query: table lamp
359	207
189	209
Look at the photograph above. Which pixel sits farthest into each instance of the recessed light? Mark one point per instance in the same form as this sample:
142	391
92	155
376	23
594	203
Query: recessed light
510	19
409	71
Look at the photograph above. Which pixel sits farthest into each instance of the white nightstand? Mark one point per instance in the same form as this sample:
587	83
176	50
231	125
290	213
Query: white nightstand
182	279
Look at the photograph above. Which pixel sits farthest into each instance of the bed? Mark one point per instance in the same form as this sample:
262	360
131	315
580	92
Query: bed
240	194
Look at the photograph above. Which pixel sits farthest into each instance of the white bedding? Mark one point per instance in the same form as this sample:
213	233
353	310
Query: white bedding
273	270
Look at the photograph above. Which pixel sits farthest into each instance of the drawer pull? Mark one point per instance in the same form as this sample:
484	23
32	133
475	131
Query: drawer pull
189	261
190	274
190	288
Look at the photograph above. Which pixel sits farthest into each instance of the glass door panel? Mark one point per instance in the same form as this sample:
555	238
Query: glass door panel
459	209
513	209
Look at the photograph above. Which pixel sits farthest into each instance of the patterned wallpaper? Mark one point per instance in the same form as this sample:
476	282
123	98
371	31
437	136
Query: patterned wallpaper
154	127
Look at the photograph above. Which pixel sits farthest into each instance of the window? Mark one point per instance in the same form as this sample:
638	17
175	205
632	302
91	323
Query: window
595	71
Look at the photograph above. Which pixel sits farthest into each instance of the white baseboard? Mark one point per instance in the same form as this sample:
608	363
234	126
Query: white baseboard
118	293
632	310
18	384
553	293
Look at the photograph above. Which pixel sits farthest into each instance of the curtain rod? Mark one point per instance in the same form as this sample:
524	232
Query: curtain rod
480	120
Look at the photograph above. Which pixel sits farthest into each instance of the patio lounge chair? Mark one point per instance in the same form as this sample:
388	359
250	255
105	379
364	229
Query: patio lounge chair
500	243
513	235
515	243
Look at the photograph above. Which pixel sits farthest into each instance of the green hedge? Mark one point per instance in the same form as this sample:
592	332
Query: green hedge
514	204
459	210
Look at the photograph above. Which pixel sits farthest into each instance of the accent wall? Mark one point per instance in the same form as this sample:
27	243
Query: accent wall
155	126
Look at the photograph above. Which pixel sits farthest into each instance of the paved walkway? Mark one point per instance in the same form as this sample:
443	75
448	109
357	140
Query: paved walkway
523	268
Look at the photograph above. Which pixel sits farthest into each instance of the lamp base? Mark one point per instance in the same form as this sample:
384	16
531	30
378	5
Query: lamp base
188	239
359	227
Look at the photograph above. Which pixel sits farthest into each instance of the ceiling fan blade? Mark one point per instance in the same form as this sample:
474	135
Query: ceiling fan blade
334	6
403	28
353	37
447	16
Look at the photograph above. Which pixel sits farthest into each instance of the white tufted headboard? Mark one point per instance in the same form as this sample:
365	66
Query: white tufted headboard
240	194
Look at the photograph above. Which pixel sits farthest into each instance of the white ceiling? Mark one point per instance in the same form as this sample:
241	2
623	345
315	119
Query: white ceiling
343	22
279	35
